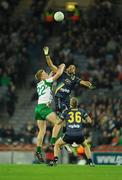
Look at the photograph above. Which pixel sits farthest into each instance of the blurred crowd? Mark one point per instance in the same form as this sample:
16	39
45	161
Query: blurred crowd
106	114
20	41
92	41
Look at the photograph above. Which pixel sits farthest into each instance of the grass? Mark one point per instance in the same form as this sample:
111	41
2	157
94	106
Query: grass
61	172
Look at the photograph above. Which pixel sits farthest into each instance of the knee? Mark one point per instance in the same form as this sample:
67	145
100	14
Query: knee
41	132
57	145
85	144
58	122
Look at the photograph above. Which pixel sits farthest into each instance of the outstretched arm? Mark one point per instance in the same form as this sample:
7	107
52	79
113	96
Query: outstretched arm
59	72
87	84
48	59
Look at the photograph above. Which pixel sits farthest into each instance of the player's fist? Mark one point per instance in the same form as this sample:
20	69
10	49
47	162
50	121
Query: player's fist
90	85
87	84
46	50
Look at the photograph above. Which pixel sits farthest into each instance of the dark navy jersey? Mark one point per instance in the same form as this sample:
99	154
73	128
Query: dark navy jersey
65	84
73	118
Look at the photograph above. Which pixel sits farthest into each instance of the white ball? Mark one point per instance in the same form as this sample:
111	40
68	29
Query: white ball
59	16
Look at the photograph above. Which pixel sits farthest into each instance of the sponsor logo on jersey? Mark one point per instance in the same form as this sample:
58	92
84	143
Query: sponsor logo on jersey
74	126
65	90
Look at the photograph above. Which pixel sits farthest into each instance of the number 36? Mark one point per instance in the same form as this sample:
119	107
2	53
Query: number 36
75	116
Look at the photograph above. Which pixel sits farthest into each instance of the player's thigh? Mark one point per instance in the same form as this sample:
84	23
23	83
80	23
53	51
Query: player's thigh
41	125
53	118
60	142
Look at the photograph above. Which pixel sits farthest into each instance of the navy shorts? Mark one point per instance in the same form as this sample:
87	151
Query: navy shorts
70	139
61	104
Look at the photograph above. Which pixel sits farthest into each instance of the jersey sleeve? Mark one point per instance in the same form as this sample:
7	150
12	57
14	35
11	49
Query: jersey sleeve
49	80
84	113
77	80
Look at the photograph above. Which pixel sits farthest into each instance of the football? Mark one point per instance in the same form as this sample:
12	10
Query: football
59	16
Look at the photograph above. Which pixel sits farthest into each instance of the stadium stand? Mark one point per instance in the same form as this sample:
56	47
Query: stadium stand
93	43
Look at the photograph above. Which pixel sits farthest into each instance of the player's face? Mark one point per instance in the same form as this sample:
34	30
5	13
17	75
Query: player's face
71	69
44	75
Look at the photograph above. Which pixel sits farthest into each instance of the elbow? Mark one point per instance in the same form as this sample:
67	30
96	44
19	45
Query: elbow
62	65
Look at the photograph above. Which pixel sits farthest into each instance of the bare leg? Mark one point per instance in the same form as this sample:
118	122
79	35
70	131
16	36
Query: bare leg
57	146
87	150
42	130
88	153
38	155
57	125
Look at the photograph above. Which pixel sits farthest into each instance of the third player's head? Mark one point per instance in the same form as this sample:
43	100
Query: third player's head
41	75
73	102
71	69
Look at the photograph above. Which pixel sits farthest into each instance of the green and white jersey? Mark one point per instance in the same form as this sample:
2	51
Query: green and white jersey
44	90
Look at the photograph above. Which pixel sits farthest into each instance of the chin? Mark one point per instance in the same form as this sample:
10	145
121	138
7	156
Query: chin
73	73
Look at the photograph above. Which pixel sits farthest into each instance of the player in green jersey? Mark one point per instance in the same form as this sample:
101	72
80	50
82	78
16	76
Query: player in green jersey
43	111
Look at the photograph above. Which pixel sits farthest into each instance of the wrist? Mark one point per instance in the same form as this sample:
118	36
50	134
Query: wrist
47	55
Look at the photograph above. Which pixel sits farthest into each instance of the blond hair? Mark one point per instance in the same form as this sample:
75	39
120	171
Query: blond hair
38	74
73	102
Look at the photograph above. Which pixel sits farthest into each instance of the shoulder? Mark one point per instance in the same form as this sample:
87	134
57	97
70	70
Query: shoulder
40	82
50	80
77	79
83	112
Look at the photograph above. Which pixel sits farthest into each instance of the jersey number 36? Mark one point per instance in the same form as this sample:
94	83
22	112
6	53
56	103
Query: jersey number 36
75	116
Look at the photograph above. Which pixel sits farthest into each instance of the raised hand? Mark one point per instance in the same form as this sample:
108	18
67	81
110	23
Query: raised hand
46	50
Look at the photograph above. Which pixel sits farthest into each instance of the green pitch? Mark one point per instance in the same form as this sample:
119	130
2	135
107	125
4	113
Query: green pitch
61	172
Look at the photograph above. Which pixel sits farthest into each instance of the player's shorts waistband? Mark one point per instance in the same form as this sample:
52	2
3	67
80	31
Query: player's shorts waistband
44	104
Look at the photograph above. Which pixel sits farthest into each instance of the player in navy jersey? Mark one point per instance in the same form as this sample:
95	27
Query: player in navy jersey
74	117
65	84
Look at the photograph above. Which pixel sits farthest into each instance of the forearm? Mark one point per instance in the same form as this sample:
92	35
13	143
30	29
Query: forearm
86	83
48	59
50	64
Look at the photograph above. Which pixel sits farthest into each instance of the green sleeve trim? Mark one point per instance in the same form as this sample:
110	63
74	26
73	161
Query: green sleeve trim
49	84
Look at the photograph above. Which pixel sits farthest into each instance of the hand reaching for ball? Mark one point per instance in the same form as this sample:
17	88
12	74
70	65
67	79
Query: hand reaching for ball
46	50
